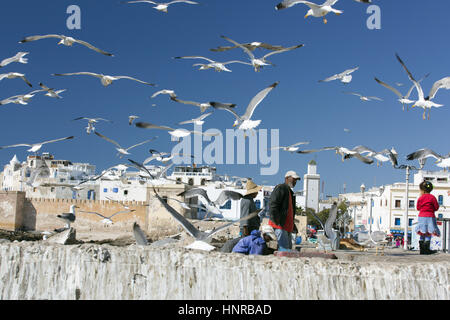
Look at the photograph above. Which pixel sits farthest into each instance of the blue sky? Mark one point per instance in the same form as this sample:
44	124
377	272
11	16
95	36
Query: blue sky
144	41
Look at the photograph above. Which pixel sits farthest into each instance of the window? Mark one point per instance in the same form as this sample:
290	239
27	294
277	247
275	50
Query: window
440	216
115	190
397	221
398	203
191	182
125	192
441	200
410	222
226	206
105	190
164	198
411	204
258	204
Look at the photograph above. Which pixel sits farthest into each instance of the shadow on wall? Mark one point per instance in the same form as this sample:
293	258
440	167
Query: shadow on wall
29	214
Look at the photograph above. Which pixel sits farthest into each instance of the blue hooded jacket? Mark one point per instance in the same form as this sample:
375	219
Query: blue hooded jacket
252	244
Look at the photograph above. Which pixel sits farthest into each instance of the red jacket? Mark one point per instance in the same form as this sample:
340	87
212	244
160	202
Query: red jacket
427	205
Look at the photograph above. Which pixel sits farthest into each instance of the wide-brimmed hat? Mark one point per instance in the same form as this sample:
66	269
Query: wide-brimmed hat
252	187
268	230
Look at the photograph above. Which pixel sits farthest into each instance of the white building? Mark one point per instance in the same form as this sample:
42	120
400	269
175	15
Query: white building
311	187
194	176
388	209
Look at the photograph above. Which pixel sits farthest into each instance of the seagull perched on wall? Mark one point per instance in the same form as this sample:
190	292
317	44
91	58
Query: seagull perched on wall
261	62
316	10
204	105
36	146
162	7
122	151
344	77
105	79
19	57
64	40
68	217
217	66
244	122
14	75
425	102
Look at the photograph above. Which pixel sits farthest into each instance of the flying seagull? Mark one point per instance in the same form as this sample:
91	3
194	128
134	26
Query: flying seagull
204	105
67	41
343	151
403	99
19	57
425	102
36	146
199	236
20	99
367	152
13	75
105	79
217	66
292	147
52	93
316	10
197	121
162	156
250	46
223	197
422	154
91	122
259	63
41	171
244	122
160	174
344	77
107	221
139	235
171	93
363	98
161	6
131	119
178	133
68	217
122	151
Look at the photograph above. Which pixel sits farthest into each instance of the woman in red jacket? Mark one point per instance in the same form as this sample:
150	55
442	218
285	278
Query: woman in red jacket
426	227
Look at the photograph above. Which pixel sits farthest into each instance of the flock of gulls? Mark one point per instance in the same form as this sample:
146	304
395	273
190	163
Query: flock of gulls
243	121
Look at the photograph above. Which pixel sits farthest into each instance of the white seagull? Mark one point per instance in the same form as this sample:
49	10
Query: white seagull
161	6
425	102
122	151
13	75
343	151
90	128
68	217
20	99
162	156
217	66
422	154
67	41
36	146
52	93
131	119
197	121
259	63
244	122
363	150
316	10
205	105
403	99
344	77
292	148
105	79
363	98
171	93
19	57
178	133
250	46
107	221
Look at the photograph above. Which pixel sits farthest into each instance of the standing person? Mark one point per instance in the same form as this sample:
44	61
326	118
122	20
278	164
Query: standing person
248	206
282	211
426	227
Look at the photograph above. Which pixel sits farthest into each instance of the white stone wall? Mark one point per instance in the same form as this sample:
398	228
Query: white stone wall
92	272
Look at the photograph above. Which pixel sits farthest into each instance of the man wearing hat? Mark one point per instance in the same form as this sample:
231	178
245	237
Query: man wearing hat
282	210
247	207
